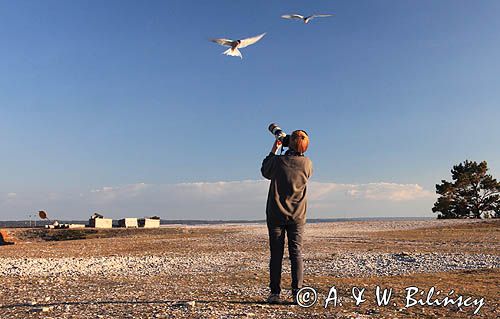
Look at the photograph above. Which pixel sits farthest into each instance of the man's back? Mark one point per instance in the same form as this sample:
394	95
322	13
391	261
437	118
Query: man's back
286	201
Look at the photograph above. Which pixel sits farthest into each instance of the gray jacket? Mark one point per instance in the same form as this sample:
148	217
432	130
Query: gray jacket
286	200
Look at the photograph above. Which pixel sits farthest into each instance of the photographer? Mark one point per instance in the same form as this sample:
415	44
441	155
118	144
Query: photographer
286	208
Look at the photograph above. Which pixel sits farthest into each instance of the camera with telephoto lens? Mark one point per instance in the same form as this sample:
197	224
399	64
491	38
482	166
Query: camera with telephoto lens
279	134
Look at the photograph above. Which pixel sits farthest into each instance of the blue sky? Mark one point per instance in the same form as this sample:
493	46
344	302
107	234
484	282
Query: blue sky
109	96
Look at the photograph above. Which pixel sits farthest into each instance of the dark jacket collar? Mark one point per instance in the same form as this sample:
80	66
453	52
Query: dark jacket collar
291	152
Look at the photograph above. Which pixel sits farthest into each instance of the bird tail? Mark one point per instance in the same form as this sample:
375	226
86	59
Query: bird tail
233	52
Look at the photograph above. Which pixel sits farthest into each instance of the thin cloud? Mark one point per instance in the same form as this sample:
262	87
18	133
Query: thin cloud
371	191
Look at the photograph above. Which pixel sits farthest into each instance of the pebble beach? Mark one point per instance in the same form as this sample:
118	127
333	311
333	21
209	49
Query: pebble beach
220	271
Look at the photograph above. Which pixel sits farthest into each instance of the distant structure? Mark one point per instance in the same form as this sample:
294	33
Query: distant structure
98	221
128	223
152	222
57	225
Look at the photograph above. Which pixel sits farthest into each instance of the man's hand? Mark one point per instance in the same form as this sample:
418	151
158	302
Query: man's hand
276	146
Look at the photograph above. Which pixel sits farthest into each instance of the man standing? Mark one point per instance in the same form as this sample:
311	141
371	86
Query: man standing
286	209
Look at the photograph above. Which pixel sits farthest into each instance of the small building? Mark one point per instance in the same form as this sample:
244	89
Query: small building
128	223
101	223
149	222
98	221
75	226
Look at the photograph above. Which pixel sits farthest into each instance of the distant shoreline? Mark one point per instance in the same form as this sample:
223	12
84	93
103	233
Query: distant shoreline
40	223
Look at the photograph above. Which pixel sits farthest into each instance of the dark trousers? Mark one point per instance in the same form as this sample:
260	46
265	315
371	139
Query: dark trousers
277	245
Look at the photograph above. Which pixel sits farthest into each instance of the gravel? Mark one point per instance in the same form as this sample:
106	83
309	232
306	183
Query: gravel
225	274
338	265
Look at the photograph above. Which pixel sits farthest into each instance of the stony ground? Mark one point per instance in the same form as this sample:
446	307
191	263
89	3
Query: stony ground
221	272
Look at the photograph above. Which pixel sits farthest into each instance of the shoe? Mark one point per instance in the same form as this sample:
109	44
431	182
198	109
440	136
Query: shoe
273	299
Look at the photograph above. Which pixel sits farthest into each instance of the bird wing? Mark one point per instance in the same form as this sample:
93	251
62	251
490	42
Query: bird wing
320	16
292	16
248	41
223	42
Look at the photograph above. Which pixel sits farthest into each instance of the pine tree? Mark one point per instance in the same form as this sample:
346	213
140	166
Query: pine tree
472	194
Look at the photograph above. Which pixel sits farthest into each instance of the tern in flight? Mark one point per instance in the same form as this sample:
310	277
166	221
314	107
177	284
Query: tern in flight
237	44
303	18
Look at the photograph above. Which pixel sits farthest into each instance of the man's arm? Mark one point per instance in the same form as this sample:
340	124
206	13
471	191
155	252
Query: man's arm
276	146
267	168
310	169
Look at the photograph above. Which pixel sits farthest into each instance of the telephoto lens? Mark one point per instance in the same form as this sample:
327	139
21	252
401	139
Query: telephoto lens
277	131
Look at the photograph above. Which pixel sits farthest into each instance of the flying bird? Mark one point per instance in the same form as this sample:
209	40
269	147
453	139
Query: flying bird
237	44
303	18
